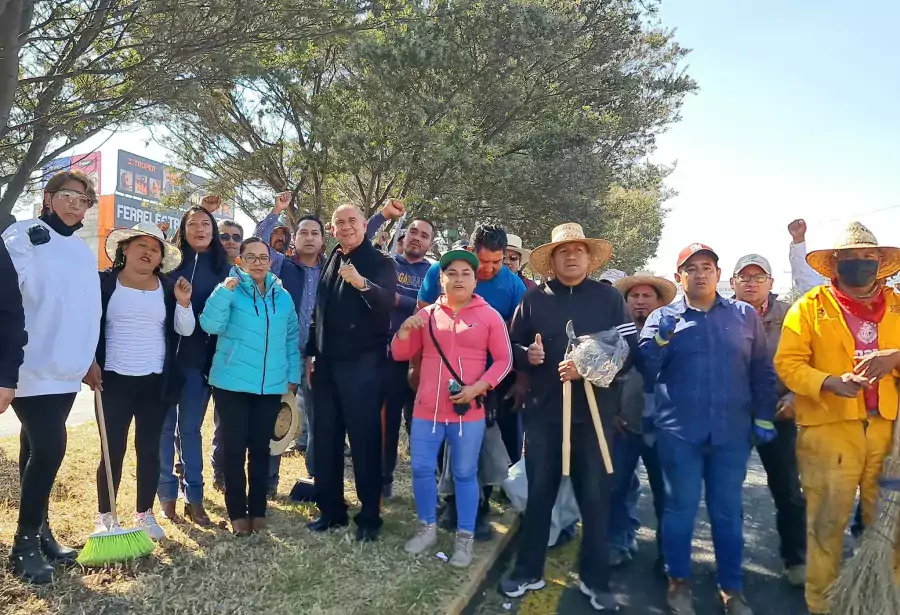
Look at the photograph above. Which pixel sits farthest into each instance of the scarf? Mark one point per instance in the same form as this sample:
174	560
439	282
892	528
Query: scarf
55	222
870	309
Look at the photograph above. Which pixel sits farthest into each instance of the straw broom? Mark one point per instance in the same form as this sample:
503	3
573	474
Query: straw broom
866	584
116	545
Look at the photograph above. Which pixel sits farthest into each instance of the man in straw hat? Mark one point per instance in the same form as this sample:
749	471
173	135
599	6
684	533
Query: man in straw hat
714	392
839	354
644	293
516	258
540	342
752	283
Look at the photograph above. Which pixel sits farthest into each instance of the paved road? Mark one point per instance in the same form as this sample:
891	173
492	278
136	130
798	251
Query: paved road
644	593
82	412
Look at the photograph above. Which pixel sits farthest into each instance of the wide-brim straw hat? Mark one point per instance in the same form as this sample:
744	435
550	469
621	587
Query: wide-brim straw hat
171	254
514	243
667	290
287	425
855	236
599	249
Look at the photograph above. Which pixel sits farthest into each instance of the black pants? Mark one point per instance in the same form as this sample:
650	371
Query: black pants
591	484
247	422
124	398
42	446
347	398
397	397
508	419
779	458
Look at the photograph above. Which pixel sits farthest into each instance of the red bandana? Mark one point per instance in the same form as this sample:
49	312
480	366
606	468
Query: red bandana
871	309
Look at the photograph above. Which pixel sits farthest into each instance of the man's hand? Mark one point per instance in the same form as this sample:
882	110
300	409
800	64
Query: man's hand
352	276
536	351
784	411
164	227
282	200
567	371
619	425
848	385
94	377
230	283
877	365
183	291
211	203
470	392
394	209
797	229
292	387
666	329
310	367
6	397
413	322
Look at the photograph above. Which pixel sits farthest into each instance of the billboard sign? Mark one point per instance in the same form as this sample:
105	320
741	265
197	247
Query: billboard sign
86	163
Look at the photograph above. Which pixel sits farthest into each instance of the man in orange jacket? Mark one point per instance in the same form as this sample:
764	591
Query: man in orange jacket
840	354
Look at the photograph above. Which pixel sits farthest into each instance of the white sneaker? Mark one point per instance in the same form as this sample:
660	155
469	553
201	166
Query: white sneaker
147	522
105	523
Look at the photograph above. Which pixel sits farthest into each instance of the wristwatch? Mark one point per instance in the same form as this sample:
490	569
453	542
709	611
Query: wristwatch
365	285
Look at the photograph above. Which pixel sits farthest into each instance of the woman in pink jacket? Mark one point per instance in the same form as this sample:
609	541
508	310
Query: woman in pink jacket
465	352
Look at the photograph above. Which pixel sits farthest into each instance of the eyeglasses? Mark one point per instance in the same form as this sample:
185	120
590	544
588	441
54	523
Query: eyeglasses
759	278
231	237
513	257
73	196
253	259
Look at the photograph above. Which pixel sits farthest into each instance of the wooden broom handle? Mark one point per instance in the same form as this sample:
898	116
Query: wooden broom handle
104	445
567	428
598	426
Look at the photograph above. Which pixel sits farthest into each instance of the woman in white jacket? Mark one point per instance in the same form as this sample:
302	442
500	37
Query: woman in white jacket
57	276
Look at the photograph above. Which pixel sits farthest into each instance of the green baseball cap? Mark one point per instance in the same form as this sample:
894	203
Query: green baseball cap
458	255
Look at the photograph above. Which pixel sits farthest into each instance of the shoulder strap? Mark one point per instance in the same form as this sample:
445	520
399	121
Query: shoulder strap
441	352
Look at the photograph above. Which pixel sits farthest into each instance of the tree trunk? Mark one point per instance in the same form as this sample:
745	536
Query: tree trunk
11	24
18	182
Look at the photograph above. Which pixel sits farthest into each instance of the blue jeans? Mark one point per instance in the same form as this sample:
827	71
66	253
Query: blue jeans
187	415
627	451
687	467
425	441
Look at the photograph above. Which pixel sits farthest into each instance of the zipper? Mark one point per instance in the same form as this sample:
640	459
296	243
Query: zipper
262	386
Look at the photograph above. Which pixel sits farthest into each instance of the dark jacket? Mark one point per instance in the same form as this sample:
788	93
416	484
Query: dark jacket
171	377
592	307
293	280
772	322
196	351
347	322
12	323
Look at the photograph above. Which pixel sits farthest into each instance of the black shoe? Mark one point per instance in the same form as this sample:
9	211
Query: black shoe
323	525
53	551
447	520
27	561
367	534
483	530
516	588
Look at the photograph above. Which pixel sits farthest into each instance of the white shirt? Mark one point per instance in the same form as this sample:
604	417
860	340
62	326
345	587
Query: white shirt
61	297
135	330
805	277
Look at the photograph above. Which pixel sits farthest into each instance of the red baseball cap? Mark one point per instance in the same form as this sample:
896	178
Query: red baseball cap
692	249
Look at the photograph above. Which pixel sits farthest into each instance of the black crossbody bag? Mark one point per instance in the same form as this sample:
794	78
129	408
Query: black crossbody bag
460	409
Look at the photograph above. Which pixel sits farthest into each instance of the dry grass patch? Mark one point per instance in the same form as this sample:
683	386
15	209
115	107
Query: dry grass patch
198	571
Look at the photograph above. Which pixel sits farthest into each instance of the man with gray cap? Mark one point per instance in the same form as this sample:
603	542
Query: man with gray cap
752	283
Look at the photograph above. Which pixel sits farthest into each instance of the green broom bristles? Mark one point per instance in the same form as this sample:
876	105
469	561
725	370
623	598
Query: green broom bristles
116	545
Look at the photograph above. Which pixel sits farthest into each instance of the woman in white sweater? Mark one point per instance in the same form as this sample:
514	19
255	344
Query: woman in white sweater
57	276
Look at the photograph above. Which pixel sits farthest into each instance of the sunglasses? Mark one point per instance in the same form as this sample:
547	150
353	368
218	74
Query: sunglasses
73	196
231	237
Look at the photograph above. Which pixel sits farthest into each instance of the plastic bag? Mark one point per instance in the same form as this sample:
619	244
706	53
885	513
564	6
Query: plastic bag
599	357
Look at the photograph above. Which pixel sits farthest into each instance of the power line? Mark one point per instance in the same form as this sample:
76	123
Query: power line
855	215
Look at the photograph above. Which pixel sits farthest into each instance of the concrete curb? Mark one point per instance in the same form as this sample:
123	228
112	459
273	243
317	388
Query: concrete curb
483	566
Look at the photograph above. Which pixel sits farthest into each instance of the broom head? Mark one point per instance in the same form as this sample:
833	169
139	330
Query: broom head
116	545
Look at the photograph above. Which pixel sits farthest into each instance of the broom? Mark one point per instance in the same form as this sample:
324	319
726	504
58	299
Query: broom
866	584
115	545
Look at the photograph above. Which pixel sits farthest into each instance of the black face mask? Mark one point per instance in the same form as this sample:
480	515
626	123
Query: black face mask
857	272
51	219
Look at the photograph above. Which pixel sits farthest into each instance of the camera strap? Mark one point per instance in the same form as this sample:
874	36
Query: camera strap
441	352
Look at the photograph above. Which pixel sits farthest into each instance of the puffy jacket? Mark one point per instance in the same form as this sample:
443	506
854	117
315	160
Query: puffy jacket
258	345
816	343
466	339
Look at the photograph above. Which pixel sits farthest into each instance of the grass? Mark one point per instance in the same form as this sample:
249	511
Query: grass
208	571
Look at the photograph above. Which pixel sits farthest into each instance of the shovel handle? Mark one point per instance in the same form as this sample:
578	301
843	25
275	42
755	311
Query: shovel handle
598	426
567	428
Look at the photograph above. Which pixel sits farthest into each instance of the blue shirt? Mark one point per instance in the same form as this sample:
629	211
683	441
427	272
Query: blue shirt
503	292
714	376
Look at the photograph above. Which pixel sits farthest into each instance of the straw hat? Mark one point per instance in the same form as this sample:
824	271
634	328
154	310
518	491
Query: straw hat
514	243
855	236
666	289
171	254
599	249
287	425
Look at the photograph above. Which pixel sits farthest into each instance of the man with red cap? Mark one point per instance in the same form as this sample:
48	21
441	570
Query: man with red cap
714	387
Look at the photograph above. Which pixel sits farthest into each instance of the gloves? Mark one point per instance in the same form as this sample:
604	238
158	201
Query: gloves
763	432
665	330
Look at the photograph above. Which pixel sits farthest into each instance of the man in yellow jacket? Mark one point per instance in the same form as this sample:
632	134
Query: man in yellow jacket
839	354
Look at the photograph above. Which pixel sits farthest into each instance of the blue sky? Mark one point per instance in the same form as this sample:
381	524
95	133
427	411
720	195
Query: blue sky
796	116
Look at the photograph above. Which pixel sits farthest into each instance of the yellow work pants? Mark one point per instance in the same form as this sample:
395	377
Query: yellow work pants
834	459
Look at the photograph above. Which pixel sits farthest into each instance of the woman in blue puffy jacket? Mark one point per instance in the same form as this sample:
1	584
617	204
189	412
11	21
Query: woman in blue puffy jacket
257	361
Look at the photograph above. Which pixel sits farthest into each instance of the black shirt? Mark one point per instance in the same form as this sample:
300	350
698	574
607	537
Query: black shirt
12	322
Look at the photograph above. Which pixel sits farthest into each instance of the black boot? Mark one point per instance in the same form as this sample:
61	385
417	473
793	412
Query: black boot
53	551
483	530
27	561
